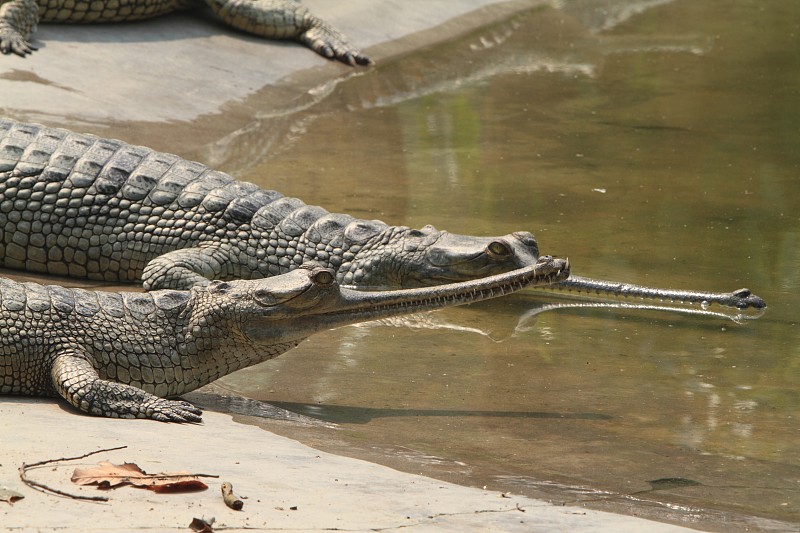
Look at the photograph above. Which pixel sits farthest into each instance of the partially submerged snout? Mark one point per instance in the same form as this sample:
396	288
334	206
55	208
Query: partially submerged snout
739	299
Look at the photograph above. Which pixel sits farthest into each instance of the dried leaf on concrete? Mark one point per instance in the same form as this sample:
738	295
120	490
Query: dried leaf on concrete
107	475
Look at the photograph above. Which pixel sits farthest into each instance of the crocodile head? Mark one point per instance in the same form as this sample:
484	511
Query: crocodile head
288	308
427	257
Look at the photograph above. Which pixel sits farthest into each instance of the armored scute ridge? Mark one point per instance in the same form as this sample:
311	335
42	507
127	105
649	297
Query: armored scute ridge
81	206
123	354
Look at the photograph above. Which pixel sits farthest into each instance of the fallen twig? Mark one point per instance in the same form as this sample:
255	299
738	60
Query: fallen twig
230	499
41	487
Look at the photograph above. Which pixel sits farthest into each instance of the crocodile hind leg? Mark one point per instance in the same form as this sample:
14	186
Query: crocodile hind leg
79	383
287	19
18	19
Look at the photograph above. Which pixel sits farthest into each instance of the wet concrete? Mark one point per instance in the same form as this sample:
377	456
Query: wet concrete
284	485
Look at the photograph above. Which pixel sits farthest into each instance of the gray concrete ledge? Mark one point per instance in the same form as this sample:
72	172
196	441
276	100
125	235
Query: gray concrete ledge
185	65
276	475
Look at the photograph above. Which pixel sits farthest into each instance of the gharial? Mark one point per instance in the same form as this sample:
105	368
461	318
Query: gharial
124	354
274	19
82	206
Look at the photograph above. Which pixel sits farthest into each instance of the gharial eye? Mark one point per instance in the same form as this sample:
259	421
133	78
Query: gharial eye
498	250
323	278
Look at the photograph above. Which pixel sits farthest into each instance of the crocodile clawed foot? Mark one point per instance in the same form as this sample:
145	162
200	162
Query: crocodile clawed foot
11	42
357	58
174	411
330	44
352	58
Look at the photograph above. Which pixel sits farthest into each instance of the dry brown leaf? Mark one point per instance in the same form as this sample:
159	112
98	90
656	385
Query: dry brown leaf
107	475
10	496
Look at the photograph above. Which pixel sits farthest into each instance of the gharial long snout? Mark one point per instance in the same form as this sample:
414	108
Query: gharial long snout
335	306
351	306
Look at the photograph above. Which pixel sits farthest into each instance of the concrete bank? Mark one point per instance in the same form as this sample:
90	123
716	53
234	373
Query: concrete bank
185	65
287	485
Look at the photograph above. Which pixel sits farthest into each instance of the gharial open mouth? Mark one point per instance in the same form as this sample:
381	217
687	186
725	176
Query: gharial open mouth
352	306
547	270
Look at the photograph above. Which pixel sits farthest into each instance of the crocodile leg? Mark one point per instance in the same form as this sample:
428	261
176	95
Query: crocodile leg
331	43
78	382
286	19
18	19
185	268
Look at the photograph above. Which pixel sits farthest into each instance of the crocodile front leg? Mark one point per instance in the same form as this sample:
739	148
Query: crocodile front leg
18	19
286	19
79	383
185	268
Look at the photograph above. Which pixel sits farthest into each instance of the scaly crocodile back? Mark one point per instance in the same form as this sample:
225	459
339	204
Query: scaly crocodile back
120	354
82	206
109	329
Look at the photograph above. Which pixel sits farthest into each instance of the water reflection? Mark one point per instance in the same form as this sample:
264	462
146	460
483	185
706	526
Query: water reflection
651	142
345	414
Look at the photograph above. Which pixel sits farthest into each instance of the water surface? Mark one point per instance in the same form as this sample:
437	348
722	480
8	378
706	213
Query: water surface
651	142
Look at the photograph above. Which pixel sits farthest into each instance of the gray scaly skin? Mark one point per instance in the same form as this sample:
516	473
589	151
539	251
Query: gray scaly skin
123	354
274	19
81	206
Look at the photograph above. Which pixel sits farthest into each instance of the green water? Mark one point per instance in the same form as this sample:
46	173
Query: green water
656	145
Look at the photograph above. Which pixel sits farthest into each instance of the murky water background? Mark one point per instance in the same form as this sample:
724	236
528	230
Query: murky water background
651	142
